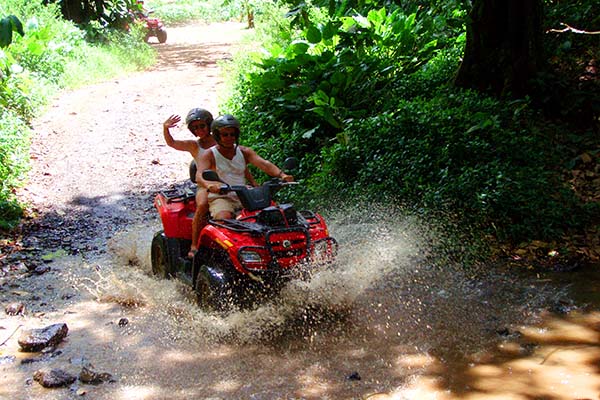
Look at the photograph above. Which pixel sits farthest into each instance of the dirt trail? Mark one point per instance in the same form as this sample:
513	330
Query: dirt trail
413	331
99	150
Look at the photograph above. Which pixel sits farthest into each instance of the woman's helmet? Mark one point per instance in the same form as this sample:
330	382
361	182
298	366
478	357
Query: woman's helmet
224	121
197	114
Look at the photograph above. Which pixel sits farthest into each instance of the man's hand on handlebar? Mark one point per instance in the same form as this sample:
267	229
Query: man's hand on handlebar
285	177
214	188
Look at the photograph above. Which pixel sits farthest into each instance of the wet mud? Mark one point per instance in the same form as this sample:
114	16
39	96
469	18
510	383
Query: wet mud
390	319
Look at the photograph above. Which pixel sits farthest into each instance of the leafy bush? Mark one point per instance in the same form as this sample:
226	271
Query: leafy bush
458	151
14	153
333	71
367	102
46	47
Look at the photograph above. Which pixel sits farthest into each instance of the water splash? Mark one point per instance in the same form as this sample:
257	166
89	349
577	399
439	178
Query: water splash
391	308
372	246
386	281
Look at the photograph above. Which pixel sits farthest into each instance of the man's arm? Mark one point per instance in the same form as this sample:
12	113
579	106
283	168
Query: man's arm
264	165
250	177
207	161
191	146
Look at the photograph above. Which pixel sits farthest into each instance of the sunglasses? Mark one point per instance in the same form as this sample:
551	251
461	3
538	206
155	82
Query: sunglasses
198	126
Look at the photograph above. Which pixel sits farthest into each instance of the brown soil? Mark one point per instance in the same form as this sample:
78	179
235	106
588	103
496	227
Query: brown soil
98	153
418	333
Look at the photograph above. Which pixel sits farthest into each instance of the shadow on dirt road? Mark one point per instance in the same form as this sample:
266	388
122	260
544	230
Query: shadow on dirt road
98	156
411	329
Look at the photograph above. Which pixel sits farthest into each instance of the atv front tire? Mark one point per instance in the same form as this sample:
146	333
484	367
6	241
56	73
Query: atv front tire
159	256
161	35
204	292
213	287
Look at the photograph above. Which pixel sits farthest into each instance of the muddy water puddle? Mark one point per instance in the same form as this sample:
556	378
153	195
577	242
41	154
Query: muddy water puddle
383	323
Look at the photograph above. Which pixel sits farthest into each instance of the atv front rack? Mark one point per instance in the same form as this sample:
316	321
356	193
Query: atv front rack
284	246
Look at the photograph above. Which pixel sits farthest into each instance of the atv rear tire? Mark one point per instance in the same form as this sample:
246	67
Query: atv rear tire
159	256
161	35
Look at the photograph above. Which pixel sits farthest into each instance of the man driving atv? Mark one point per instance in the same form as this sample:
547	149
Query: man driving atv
230	161
198	121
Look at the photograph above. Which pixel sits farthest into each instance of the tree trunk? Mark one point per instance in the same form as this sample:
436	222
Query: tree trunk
72	10
504	46
80	11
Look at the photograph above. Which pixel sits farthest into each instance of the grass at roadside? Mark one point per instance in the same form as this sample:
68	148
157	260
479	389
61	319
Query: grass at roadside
120	54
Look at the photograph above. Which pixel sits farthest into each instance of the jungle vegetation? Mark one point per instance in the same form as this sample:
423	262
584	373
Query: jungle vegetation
483	113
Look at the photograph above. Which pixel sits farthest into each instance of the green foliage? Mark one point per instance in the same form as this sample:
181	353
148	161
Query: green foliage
17	88
108	13
362	94
14	148
332	72
116	13
185	10
46	48
460	152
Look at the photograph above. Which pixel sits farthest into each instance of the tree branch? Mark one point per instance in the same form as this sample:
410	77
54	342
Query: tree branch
568	28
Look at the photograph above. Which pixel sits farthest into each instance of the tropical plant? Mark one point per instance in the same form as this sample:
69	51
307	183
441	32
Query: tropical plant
8	25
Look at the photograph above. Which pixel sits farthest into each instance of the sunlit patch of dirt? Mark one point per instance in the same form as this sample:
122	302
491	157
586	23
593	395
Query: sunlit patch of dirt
385	322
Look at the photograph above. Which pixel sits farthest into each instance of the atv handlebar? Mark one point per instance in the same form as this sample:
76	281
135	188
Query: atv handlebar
255	198
274	183
252	198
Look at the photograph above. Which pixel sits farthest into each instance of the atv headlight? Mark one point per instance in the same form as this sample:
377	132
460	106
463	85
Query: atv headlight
250	256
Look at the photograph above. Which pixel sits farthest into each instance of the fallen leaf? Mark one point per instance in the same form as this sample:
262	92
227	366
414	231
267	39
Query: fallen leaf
586	158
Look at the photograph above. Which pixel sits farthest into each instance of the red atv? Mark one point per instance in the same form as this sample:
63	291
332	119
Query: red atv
240	260
155	28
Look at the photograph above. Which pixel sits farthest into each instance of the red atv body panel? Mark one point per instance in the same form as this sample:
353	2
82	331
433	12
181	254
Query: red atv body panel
154	23
283	247
176	213
275	237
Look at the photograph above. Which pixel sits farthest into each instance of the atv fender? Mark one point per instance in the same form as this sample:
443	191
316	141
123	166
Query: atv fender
211	234
174	251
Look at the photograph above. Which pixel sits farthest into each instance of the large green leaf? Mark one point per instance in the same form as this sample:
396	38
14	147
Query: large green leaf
5	32
8	25
313	34
299	47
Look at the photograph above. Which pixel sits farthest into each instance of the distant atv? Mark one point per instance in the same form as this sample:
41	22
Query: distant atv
240	260
155	28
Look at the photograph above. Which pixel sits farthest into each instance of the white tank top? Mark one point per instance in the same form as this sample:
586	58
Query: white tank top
230	171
